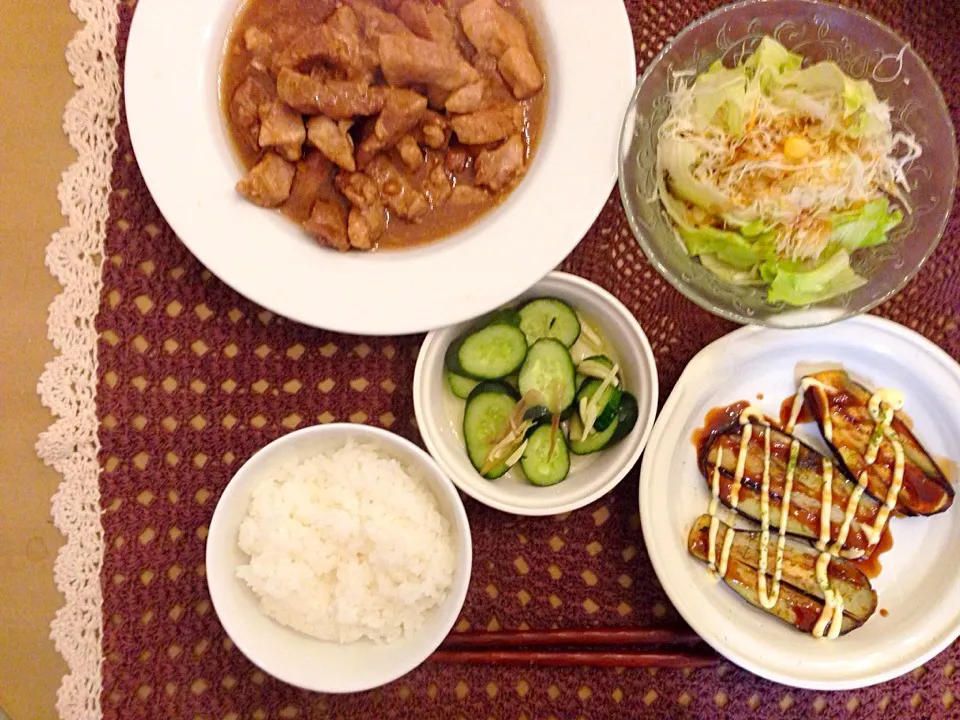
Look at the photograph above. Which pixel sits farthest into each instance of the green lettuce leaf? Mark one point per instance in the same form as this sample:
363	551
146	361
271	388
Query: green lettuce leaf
818	79
728	247
769	61
677	157
827	78
857	94
753	228
728	273
794	99
864	227
803	287
861	108
720	93
855	99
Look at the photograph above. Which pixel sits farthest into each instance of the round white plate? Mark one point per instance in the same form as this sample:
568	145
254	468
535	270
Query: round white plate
182	149
920	582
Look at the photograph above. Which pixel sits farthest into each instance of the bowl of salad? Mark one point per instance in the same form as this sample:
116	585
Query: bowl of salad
787	163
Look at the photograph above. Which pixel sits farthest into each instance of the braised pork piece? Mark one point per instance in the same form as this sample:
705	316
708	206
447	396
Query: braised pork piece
382	123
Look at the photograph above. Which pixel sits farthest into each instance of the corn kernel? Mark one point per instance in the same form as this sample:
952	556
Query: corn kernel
796	147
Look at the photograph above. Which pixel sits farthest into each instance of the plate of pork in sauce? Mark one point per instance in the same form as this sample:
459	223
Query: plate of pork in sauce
379	166
797	497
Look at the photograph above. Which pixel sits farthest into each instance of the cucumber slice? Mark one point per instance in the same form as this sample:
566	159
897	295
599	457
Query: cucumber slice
487	409
541	466
626	417
504	316
594	442
495	386
607	406
490	353
601	359
548	369
549	318
459	385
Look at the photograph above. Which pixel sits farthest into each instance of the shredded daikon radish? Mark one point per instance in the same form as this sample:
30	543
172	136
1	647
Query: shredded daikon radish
847	160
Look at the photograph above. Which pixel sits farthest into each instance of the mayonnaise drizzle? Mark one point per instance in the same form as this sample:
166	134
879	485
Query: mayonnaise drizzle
784	518
833	602
765	525
848	514
750	413
741	464
882	406
714	506
725	552
805	384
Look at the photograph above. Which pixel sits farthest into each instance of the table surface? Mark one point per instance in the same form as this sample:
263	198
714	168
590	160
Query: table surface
34	87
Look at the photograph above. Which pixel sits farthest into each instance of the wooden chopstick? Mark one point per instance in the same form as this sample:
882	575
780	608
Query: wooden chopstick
579	637
597	658
511	648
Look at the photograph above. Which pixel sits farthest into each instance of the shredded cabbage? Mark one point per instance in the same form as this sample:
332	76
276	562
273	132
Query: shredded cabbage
776	172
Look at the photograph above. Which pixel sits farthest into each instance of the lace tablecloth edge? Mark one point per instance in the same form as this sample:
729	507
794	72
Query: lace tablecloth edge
68	384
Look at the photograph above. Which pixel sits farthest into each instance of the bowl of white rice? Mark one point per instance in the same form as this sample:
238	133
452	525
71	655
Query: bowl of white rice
338	557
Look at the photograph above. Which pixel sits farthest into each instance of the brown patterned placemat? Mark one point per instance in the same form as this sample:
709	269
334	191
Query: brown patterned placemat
193	379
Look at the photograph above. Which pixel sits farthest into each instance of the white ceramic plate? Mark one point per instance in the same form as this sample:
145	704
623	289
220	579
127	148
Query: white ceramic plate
440	413
289	655
183	152
920	582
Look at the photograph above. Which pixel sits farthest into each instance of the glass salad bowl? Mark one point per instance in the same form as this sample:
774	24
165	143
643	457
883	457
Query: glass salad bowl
863	49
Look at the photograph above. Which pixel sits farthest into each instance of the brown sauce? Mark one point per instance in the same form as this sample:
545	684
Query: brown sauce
715	421
870	564
442	220
884	612
786	410
806	613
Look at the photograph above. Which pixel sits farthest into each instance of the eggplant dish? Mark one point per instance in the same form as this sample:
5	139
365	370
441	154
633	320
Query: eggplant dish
818	516
872	443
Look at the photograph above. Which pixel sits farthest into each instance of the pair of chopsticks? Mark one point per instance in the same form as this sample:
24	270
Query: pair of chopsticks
664	647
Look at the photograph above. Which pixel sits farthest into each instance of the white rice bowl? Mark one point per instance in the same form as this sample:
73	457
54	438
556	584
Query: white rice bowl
347	545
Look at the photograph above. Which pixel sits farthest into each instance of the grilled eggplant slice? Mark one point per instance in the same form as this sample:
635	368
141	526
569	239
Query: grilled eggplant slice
800	601
806	498
925	490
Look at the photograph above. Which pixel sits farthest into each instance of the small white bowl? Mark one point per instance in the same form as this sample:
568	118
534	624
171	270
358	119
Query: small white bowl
440	413
289	655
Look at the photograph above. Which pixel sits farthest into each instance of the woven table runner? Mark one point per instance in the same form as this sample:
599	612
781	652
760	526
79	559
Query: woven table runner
167	381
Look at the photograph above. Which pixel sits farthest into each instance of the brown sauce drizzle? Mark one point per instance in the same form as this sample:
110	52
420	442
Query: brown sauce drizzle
714	422
806	612
870	564
786	408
